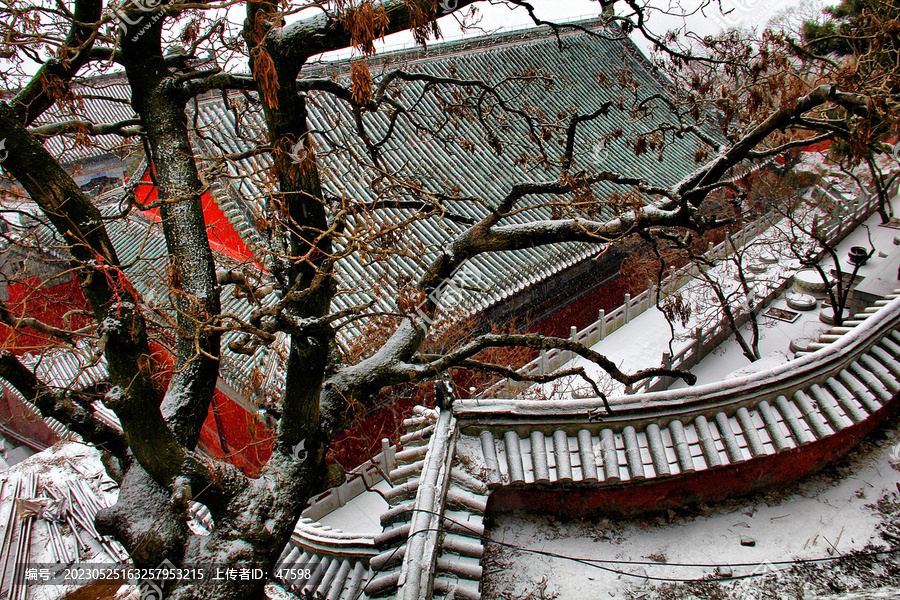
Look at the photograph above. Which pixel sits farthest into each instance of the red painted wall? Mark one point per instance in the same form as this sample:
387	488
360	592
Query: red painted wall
221	234
46	304
232	433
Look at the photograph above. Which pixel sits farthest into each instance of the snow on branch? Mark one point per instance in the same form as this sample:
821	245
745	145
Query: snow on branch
68	407
540	342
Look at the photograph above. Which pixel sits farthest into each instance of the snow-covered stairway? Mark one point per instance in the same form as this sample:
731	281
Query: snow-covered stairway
432	540
822	402
834	333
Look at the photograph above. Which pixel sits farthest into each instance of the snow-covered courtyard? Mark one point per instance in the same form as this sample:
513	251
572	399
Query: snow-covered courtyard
832	532
647	336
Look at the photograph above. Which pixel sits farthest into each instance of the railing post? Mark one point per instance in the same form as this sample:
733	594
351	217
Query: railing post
601	323
698	347
542	363
388	453
667	364
626	309
654	296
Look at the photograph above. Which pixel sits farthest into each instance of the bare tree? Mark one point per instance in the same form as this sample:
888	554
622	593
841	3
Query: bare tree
728	293
732	287
811	228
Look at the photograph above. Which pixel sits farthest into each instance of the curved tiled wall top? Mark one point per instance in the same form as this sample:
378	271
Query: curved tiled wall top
432	539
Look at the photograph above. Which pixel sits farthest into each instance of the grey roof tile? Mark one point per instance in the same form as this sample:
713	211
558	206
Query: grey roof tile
478	172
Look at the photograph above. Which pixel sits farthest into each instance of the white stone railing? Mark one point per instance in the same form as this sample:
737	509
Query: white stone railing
702	342
366	475
639	409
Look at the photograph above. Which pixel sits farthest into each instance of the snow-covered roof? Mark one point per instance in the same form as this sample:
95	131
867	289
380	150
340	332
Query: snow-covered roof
69	484
577	67
585	72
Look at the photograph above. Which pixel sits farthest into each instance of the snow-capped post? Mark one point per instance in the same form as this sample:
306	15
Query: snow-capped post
601	324
542	362
387	454
626	308
573	335
667	363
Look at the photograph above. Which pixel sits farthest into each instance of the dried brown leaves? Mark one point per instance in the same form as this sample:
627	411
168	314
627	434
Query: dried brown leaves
361	79
266	77
366	22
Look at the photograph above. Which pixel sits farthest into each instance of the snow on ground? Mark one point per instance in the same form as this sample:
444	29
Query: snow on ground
641	343
776	335
361	514
56	467
850	508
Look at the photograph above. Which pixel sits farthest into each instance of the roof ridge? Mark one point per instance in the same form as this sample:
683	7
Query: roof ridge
428	51
467	44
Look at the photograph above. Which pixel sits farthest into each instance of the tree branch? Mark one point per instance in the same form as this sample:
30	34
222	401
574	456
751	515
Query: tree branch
127	128
540	342
218	81
413	205
36	97
779	119
787	146
8	319
541	233
62	406
512	374
297	42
